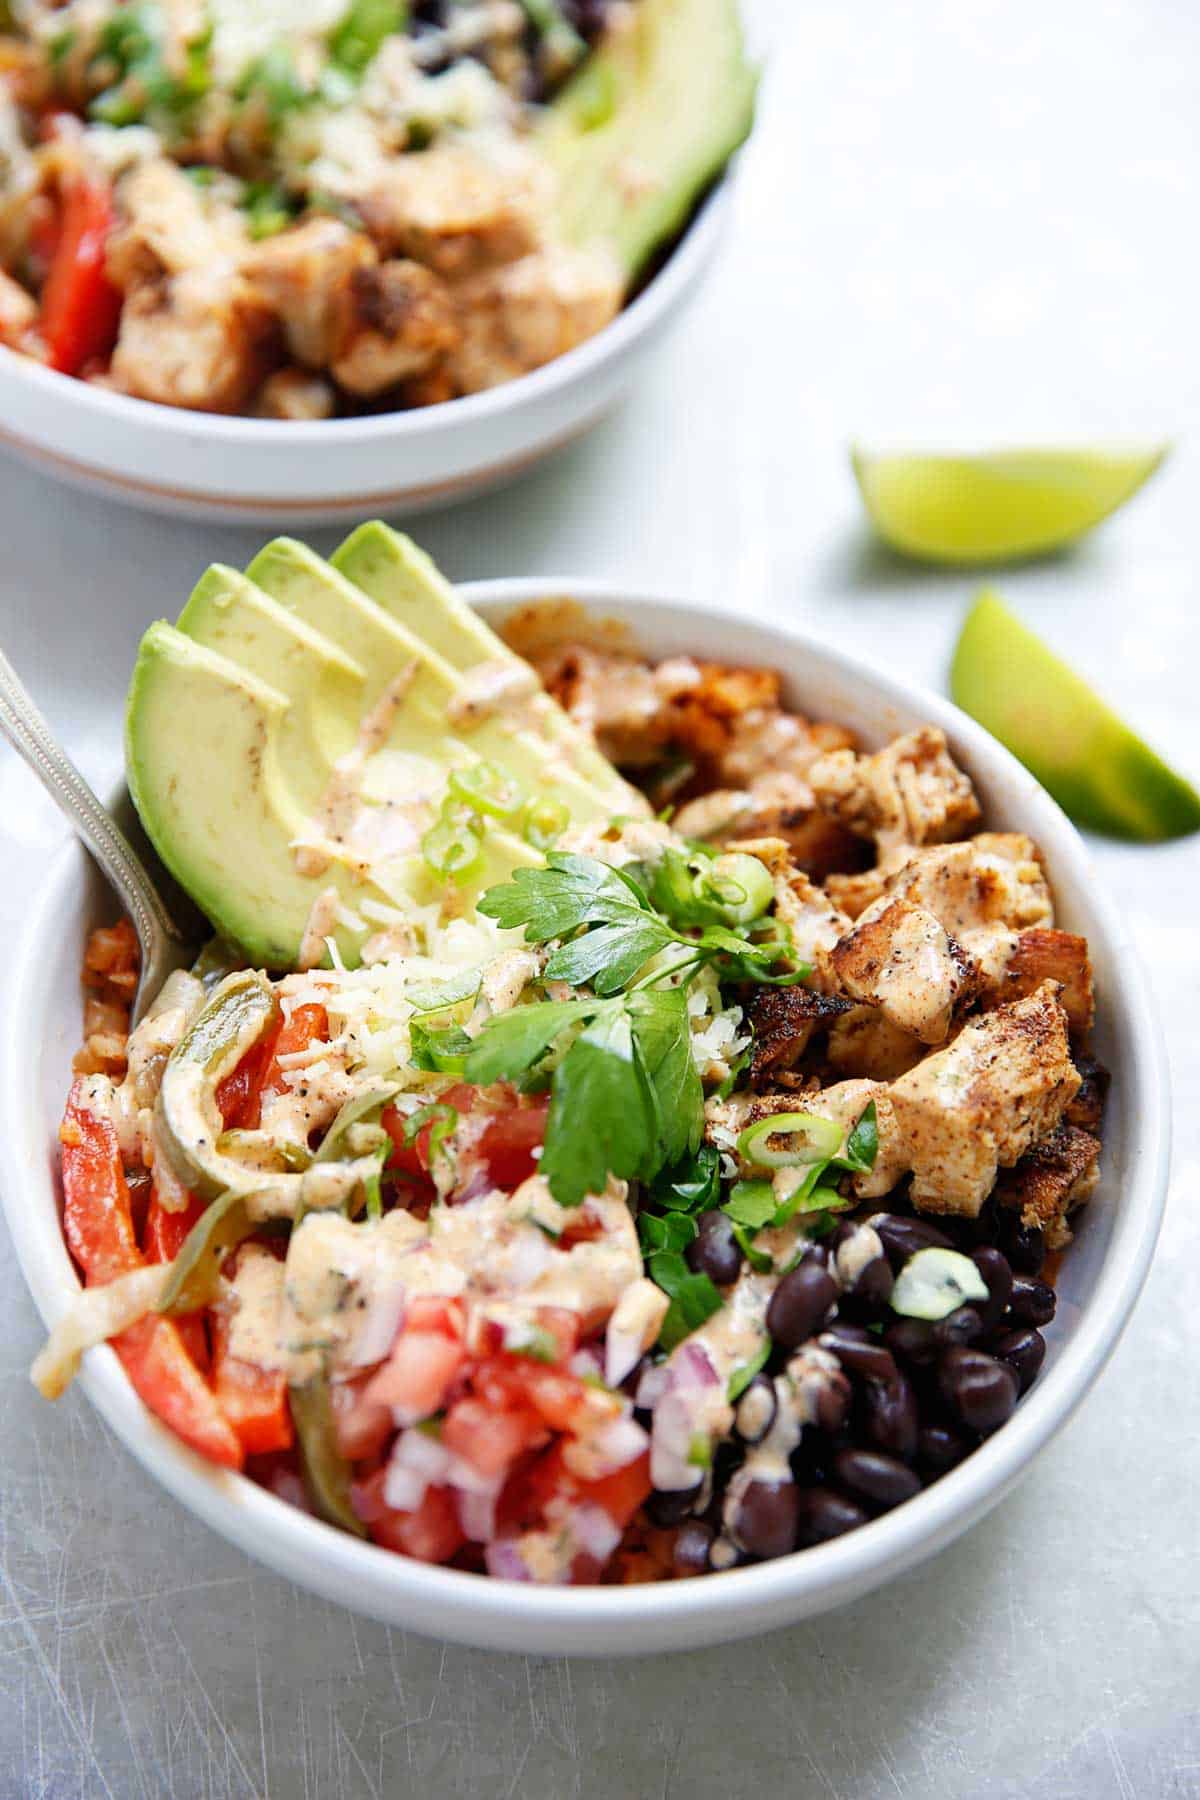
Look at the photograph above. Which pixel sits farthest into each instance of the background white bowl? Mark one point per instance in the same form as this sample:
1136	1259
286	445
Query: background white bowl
1098	1285
200	465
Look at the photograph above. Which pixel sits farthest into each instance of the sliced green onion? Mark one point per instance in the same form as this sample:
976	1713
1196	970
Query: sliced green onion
744	1374
442	1121
543	822
452	849
934	1283
739	886
700	1451
819	1140
485	790
759	1260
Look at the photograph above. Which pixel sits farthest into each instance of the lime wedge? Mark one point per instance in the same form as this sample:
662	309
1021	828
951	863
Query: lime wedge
1100	773
996	507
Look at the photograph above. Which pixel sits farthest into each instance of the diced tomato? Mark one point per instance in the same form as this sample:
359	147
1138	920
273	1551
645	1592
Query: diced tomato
432	1312
561	1400
416	1377
100	1235
254	1400
505	1148
363	1426
432	1533
81	309
489	1440
620	1494
508	1144
164	1237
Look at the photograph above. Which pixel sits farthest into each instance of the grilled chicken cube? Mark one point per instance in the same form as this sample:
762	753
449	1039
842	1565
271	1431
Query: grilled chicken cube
198	340
523	314
853	893
1039	956
166	225
400	322
455	210
304	275
991	880
864	1042
815	925
909	793
785	1020
1051	1180
295	393
978	1105
902	959
1087	1108
845	1103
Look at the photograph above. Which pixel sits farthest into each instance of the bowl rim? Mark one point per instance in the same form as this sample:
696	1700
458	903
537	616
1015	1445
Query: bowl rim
652	1616
650	303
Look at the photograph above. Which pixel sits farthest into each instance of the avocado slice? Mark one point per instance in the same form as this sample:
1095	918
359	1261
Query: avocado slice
217	800
318	737
1098	770
407	585
652	117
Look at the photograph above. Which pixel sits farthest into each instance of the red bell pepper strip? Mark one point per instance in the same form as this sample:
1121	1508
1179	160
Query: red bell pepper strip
99	1231
81	309
164	1239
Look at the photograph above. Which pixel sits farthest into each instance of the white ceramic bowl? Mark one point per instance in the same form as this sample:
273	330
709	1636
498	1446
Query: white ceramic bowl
199	465
1099	1283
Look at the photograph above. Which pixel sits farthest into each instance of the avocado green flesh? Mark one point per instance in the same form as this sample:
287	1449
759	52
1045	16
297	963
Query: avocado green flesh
406	585
651	118
1098	770
291	736
1006	504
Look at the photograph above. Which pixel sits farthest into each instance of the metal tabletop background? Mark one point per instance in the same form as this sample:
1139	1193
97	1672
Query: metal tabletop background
960	219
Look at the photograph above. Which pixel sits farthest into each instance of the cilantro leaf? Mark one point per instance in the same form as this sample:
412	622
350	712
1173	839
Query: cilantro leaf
601	1117
690	1186
513	1041
663	1034
665	1231
569	892
610	955
694	1298
752	1203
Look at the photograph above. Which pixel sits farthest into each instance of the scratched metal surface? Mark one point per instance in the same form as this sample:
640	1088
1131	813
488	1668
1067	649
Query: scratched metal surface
957	221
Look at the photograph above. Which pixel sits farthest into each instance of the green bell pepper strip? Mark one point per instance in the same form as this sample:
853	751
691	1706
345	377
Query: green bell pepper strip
192	1282
326	1472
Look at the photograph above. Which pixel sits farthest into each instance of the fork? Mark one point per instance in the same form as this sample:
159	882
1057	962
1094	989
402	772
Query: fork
167	936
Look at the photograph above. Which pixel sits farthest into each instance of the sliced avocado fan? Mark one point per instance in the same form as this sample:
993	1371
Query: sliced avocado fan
649	121
290	742
1100	772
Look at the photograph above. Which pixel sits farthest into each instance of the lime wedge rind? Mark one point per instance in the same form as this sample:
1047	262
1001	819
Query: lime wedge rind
1100	772
998	506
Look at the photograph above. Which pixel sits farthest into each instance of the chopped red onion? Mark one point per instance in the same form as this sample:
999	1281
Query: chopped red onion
503	1558
378	1329
594	1531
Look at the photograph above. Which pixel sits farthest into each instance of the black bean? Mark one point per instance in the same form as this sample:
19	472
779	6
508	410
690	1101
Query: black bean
962	1326
767	1515
1024	1350
825	1514
860	1352
668	1506
890	1415
912	1340
883	1480
690	1550
800	1304
755	1411
978	1390
939	1448
1024	1245
833	1402
714	1251
993	1266
903	1237
1032	1302
872	1289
